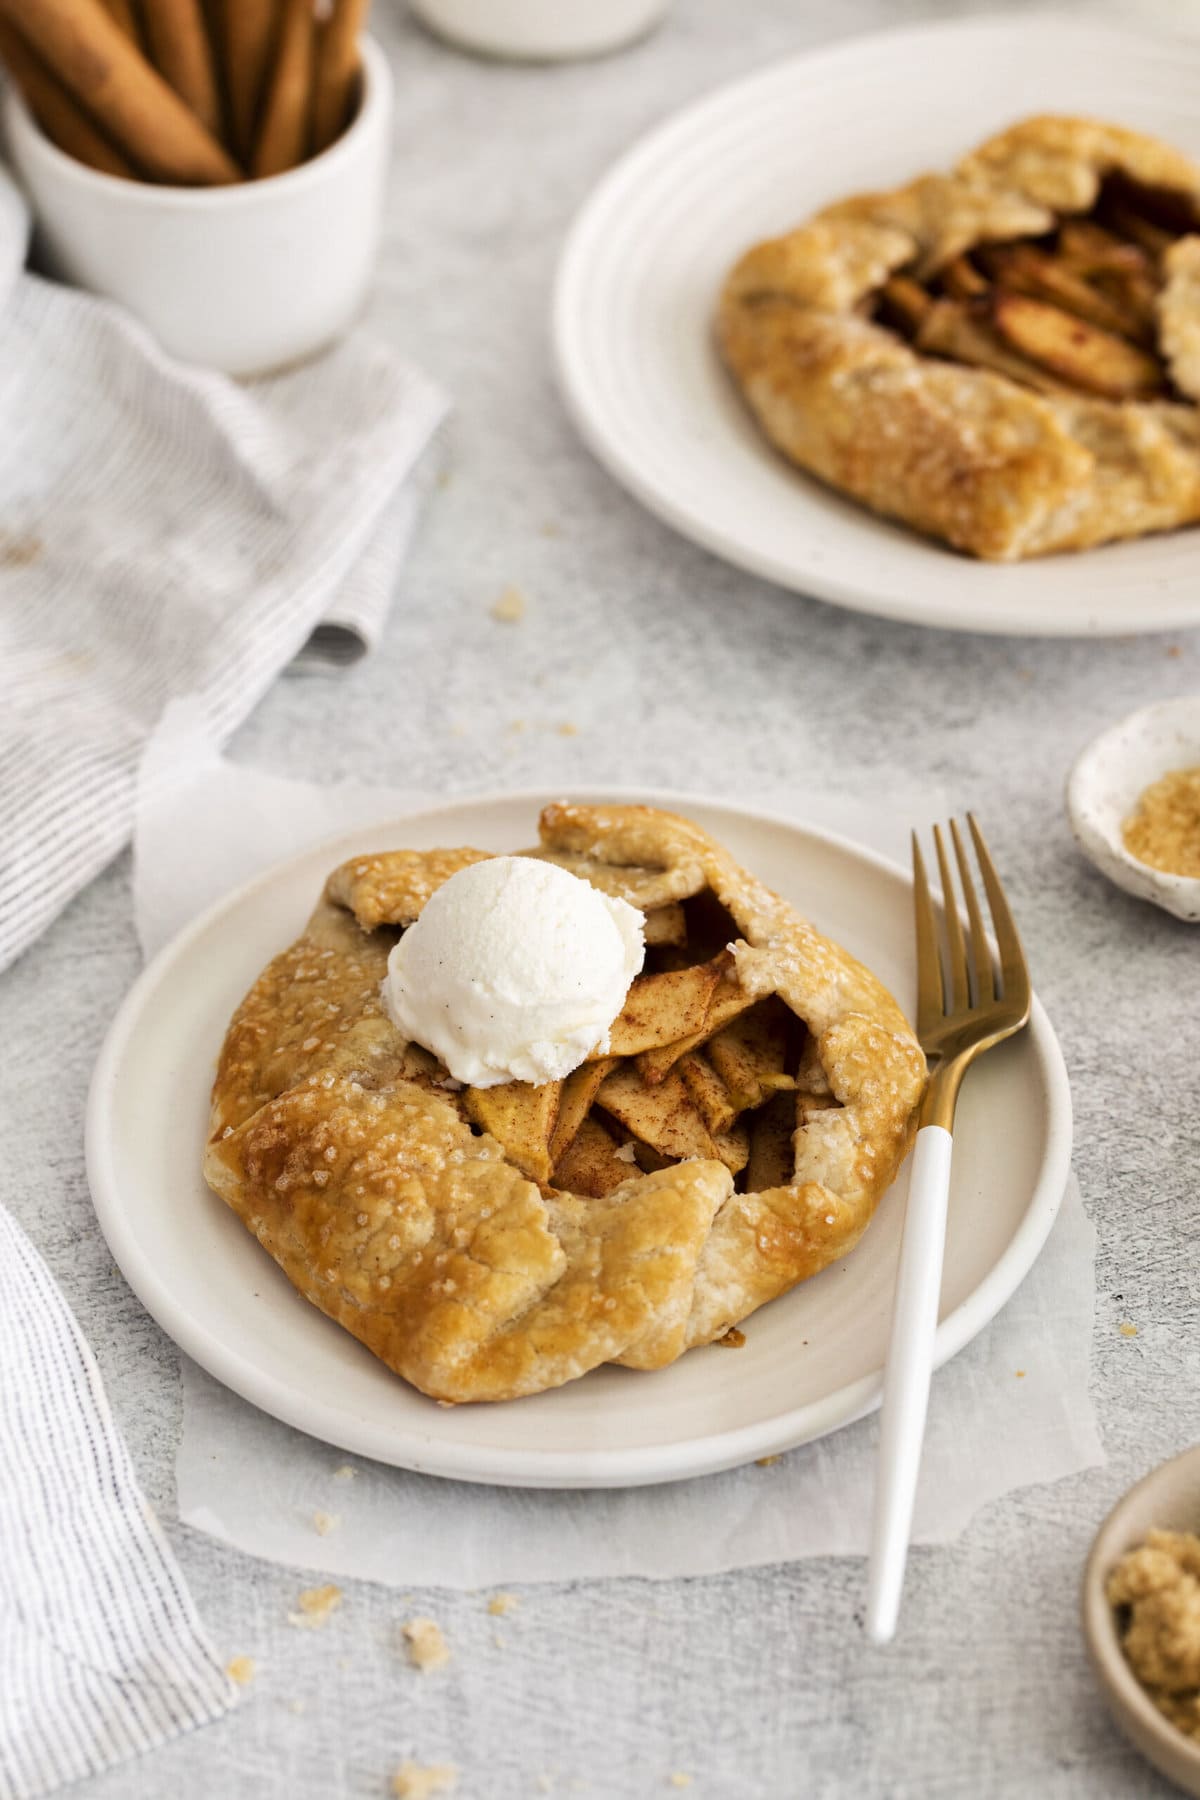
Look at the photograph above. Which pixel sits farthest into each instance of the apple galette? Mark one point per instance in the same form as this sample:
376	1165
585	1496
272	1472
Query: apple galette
727	1134
1006	357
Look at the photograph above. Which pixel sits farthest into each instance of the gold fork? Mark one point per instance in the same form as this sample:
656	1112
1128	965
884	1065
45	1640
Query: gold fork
964	1006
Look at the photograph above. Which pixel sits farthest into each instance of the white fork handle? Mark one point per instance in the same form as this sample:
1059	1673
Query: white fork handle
906	1379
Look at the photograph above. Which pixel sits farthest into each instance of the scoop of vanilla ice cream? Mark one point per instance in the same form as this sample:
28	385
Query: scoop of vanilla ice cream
514	971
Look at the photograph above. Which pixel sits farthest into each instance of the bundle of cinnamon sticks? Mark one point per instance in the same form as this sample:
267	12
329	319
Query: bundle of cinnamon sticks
191	92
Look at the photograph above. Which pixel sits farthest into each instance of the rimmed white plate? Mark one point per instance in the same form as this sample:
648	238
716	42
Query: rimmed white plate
811	1361
642	267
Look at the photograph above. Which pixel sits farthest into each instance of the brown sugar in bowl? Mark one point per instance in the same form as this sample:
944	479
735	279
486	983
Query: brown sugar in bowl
1167	1499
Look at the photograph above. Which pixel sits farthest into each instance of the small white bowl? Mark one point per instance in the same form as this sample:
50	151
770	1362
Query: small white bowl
1168	1499
540	30
244	278
1103	789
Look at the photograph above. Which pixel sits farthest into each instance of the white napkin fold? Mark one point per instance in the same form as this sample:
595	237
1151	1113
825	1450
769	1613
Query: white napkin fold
101	1653
1012	1410
164	530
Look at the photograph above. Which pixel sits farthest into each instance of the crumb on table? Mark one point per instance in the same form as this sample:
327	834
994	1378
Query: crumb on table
427	1648
324	1523
241	1669
502	1603
511	606
421	1781
317	1606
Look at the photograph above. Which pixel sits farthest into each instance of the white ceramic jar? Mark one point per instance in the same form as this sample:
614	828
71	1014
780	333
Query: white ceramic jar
540	30
244	278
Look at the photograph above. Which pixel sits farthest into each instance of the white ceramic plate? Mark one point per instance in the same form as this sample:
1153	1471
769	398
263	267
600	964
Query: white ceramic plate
811	1361
641	270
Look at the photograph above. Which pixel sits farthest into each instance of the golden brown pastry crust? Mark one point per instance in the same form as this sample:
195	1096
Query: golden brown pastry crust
346	1152
960	452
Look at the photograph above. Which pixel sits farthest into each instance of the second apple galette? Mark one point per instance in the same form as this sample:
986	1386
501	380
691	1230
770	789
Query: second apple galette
729	1121
1006	357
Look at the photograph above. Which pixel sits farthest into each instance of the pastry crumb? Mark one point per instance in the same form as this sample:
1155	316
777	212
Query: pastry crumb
324	1523
427	1648
733	1339
345	1473
1020	1373
421	1781
511	607
567	729
499	1604
767	1462
681	1779
627	1153
1126	1329
317	1606
1174	650
242	1669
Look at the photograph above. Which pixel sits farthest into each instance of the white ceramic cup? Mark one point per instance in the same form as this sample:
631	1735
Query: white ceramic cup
244	278
540	30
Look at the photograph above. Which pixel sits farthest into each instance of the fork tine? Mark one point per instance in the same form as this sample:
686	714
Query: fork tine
930	1001
1013	968
981	955
954	933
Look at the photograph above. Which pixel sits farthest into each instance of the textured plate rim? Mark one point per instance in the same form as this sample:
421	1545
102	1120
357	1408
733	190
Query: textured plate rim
820	582
406	1448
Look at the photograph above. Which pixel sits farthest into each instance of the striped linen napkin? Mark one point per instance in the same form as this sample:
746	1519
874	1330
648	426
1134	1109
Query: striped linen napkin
101	1653
164	530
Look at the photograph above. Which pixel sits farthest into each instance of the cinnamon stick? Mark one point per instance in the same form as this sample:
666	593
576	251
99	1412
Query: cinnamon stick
249	31
338	68
95	61
284	133
179	43
55	111
122	11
